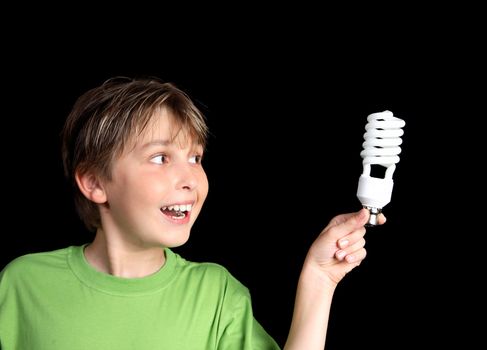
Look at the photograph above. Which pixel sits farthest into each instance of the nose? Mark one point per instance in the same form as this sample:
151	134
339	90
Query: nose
186	177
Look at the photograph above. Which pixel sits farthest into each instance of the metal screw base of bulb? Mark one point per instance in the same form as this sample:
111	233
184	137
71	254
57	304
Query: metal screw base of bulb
373	218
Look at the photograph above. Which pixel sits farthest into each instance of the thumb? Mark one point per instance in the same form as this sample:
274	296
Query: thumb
358	220
361	215
355	220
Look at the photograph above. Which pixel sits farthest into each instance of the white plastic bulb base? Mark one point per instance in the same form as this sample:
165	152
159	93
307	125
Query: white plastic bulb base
374	193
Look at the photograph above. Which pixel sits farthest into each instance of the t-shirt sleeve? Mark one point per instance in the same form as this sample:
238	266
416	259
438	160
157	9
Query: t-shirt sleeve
9	319
241	331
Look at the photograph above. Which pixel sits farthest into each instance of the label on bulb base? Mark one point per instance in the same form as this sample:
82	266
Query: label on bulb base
373	191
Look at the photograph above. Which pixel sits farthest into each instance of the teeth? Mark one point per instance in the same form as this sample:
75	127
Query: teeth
180	207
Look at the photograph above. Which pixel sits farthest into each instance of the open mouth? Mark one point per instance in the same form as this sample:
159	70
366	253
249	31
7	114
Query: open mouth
177	212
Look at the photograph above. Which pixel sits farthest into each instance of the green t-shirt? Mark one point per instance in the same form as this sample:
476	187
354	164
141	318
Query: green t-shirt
56	300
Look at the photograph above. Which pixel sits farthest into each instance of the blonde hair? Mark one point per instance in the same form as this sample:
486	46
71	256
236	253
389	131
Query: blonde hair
104	120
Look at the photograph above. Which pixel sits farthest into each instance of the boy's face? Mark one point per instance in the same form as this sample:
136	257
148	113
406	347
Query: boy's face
157	188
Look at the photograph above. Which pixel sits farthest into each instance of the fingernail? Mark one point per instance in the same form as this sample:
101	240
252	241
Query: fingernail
343	243
340	254
350	258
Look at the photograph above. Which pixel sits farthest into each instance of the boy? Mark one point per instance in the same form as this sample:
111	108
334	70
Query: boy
133	149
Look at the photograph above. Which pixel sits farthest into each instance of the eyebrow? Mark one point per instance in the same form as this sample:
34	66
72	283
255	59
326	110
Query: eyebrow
162	143
156	143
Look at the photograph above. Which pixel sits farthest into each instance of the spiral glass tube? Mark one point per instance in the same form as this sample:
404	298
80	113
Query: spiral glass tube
381	147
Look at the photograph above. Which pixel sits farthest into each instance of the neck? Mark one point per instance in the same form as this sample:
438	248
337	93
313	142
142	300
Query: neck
122	259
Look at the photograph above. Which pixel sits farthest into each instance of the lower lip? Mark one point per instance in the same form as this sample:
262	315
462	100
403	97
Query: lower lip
183	221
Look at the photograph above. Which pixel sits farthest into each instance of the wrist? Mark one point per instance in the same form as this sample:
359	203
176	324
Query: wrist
317	277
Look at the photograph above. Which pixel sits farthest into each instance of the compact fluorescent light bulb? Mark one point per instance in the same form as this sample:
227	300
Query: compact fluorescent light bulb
381	147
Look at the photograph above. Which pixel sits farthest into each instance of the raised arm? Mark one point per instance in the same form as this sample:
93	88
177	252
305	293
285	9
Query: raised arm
337	250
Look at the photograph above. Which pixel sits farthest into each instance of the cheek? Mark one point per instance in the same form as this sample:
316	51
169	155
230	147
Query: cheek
154	187
203	185
143	188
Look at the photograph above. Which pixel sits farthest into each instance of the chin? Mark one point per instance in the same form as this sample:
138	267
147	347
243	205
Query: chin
177	240
175	244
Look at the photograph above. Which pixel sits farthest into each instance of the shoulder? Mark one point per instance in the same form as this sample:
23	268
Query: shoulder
209	273
35	264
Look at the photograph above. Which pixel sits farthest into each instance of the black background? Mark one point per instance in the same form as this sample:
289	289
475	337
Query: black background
287	116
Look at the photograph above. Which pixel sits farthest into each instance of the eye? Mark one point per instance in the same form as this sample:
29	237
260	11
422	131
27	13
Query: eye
196	159
159	159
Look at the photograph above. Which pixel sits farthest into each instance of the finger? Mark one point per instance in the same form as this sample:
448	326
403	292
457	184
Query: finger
381	219
351	238
343	253
356	257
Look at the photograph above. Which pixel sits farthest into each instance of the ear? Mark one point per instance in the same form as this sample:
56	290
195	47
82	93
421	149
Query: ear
91	186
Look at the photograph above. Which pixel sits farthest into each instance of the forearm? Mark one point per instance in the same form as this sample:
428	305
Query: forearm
311	310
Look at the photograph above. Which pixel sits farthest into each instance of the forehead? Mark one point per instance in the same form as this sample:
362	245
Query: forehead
163	125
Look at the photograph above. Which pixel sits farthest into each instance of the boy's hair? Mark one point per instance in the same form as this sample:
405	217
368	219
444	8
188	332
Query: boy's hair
104	120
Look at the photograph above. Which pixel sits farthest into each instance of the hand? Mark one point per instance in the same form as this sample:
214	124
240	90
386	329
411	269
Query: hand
340	246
